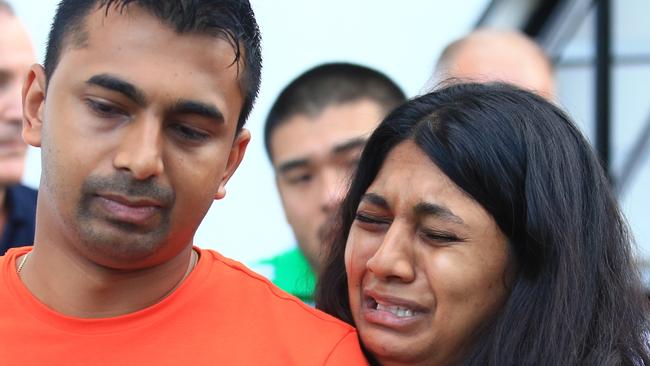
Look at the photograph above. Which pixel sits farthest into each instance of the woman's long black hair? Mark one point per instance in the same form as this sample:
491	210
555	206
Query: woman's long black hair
576	298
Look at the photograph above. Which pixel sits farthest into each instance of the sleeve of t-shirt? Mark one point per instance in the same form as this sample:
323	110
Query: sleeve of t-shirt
347	352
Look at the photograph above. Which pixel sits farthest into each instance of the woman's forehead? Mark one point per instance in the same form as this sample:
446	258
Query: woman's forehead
408	179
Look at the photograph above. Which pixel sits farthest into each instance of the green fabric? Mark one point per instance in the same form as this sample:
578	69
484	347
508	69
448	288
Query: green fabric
292	273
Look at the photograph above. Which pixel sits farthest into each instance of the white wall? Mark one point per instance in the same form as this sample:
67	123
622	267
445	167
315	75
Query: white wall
402	39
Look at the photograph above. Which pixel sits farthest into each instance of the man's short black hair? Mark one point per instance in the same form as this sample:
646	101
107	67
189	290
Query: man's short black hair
232	20
331	84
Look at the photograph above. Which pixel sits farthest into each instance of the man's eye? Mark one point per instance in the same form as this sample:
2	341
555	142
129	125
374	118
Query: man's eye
299	179
188	133
104	109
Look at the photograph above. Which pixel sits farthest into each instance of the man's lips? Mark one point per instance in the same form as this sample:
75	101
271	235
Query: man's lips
132	201
135	210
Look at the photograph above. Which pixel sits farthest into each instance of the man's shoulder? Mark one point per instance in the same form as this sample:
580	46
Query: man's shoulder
23	192
240	277
249	305
252	289
291	272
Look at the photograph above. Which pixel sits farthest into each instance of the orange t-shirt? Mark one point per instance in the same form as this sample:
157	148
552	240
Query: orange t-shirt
222	314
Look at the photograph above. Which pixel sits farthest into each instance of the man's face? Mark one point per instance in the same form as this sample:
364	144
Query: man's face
313	159
138	137
16	55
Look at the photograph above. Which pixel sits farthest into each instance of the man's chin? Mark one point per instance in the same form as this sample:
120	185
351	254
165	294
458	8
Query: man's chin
121	253
122	241
326	231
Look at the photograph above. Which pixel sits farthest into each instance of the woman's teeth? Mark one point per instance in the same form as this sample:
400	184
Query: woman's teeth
396	310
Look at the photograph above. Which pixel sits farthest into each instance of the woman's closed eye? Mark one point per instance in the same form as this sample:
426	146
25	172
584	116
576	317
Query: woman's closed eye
440	236
372	220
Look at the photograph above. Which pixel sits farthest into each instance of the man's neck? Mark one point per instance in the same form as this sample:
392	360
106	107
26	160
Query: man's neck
85	290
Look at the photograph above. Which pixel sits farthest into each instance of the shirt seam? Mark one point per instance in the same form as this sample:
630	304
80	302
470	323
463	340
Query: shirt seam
329	355
269	286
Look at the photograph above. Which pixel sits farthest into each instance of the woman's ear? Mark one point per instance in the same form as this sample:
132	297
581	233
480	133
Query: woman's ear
33	105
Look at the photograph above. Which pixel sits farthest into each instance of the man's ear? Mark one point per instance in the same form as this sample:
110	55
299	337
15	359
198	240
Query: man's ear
234	159
33	105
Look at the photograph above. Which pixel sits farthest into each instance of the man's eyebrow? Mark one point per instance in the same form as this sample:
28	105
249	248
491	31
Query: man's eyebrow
432	209
199	108
114	83
336	150
292	164
349	145
375	199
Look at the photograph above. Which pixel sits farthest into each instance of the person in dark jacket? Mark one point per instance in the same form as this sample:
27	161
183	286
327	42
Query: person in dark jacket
17	202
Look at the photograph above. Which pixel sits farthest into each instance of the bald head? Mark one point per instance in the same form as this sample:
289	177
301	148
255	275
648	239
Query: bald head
498	55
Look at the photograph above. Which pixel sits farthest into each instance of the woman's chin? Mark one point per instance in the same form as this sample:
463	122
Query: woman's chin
388	349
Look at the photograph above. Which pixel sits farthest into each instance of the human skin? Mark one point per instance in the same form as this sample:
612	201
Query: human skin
128	172
426	264
313	157
495	55
16	56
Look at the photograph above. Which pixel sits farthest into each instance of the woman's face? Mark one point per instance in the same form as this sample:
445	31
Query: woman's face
426	264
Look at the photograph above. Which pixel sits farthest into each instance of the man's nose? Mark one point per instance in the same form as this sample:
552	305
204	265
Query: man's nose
141	149
333	189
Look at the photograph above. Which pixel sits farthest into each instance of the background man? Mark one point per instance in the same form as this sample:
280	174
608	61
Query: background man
17	202
138	112
314	135
497	55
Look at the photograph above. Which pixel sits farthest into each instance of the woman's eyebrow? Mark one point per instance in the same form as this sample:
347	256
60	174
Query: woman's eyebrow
439	211
375	199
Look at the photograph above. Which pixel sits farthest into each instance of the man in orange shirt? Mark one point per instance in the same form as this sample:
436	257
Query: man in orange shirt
139	112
